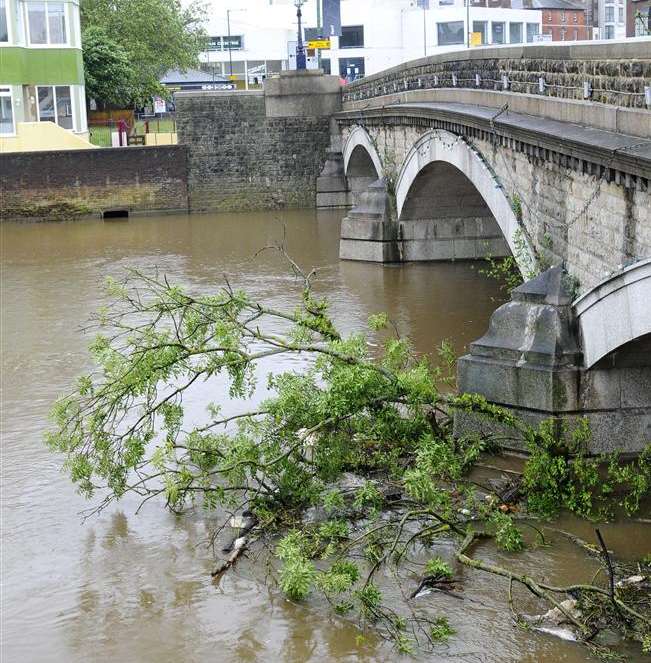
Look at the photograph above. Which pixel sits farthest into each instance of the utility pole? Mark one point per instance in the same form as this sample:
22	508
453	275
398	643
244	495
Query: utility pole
230	54
301	63
425	30
319	32
468	22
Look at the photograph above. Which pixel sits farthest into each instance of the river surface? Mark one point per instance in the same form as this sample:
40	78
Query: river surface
137	588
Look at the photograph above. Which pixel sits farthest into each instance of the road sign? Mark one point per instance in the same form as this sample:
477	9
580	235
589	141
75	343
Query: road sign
323	44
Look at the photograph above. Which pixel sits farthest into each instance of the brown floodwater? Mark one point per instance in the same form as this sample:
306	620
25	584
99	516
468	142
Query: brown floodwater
125	587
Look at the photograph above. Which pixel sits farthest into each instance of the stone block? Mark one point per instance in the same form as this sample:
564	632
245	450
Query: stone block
368	251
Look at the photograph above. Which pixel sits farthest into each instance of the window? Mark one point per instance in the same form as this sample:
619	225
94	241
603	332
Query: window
549	17
575	18
610	14
620	14
450	33
533	30
6	112
55	105
563	17
351	68
575	36
497	33
4	28
482	28
325	65
47	22
515	33
563	31
444	3
610	32
352	36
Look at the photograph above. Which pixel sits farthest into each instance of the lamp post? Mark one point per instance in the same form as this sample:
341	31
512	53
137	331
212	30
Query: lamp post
301	63
228	28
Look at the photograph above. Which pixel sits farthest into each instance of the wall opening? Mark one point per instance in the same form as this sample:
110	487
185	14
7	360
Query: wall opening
361	171
444	217
115	214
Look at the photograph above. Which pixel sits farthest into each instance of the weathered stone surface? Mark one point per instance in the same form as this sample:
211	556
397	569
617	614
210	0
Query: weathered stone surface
530	361
135	179
239	159
616	73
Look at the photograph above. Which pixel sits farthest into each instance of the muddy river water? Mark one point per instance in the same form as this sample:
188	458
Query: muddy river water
125	587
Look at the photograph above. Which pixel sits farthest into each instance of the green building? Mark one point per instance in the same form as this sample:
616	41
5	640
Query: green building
42	96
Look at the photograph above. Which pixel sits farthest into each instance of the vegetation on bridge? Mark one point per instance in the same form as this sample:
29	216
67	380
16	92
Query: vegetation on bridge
349	469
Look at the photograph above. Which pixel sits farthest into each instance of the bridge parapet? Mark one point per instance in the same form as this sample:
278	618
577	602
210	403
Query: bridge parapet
613	73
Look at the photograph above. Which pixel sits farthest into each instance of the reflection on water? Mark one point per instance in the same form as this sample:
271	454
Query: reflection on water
137	588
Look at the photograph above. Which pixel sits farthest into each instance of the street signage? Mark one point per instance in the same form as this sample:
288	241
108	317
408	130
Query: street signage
323	44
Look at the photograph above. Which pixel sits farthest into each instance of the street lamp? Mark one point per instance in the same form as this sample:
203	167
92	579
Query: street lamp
301	62
228	24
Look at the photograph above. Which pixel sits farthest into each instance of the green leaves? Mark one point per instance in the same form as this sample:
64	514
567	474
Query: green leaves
297	574
129	44
507	536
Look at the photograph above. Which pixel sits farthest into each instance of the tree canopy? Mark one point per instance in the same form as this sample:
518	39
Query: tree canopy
348	469
129	44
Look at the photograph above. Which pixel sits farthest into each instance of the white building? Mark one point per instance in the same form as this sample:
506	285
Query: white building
612	19
376	34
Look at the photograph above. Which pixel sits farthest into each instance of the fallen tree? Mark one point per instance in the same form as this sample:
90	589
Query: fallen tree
349	466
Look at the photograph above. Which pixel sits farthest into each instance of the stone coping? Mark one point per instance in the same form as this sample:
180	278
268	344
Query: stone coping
219	93
631	121
638	49
630	154
631	274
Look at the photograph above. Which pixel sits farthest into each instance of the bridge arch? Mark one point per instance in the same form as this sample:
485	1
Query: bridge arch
362	163
440	156
616	316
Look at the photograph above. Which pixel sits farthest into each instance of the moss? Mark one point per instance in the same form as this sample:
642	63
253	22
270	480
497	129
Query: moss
58	211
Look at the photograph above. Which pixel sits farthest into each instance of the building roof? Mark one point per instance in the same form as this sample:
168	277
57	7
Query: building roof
568	5
177	77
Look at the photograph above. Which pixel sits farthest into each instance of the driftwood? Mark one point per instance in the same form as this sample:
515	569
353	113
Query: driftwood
237	545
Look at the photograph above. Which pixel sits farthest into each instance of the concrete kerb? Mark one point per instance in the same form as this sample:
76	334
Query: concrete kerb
440	145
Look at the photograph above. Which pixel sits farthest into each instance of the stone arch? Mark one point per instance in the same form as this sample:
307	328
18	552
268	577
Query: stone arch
469	188
362	164
615	317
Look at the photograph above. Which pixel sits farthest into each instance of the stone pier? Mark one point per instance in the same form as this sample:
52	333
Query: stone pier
530	361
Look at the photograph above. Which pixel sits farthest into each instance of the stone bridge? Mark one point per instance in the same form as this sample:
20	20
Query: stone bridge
539	152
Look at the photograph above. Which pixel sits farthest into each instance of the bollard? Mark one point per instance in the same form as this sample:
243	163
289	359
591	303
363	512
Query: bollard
541	84
477	80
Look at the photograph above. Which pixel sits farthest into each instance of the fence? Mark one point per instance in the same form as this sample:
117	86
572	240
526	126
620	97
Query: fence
101	130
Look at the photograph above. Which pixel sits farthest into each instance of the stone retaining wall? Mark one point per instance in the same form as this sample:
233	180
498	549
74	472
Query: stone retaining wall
240	159
64	184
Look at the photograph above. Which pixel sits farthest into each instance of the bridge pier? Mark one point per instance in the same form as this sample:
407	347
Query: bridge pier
531	362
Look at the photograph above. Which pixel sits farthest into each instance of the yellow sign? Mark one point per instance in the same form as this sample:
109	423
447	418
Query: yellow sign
475	38
319	43
232	77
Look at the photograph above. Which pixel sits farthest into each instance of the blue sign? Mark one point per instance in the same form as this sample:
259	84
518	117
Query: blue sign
423	4
332	18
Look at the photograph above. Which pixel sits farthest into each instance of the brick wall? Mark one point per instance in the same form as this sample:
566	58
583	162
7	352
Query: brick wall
239	159
68	183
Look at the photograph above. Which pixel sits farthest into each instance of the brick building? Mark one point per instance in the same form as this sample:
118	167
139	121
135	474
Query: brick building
638	18
564	20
